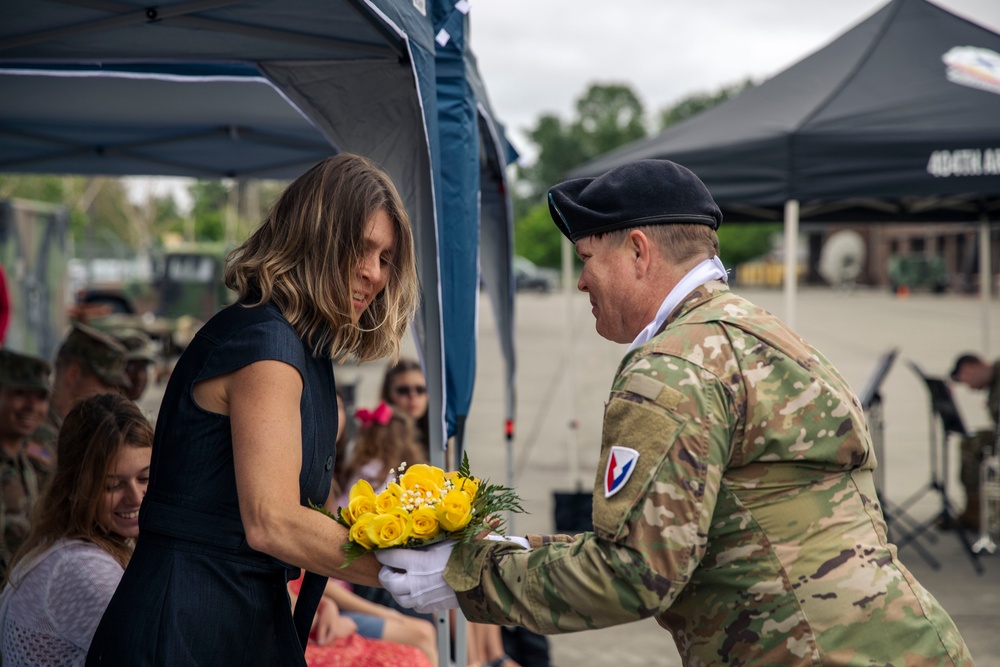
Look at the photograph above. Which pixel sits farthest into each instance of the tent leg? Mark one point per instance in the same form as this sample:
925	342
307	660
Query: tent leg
985	280
791	258
572	445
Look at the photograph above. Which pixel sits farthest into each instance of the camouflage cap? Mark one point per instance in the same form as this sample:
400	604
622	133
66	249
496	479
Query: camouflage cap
139	345
102	352
24	371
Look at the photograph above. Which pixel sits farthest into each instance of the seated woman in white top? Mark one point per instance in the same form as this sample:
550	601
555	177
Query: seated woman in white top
82	535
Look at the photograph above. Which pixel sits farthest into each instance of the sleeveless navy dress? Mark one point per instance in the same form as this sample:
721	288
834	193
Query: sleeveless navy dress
194	592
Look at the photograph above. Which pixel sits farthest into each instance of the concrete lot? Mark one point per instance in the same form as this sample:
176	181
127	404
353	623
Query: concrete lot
563	380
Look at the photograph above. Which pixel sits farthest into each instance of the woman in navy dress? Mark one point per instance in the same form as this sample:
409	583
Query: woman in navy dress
245	438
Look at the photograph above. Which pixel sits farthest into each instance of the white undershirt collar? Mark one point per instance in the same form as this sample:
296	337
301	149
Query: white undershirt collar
710	269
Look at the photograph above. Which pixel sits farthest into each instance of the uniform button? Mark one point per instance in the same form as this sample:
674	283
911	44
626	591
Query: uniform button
329	462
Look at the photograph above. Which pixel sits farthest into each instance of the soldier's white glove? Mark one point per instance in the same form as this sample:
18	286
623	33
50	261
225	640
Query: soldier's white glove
415	577
520	541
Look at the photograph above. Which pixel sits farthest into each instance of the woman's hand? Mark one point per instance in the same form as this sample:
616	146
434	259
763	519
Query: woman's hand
344	627
328	624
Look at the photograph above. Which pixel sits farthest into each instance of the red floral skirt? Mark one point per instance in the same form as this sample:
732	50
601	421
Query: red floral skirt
356	651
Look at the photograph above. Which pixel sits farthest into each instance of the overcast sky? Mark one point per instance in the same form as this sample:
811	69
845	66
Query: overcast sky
539	56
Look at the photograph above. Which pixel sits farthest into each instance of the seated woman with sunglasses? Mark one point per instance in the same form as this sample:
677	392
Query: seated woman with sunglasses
405	389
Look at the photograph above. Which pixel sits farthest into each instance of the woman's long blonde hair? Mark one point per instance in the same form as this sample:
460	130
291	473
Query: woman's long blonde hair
304	255
94	432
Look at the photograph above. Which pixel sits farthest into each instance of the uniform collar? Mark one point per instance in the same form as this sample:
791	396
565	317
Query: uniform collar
706	271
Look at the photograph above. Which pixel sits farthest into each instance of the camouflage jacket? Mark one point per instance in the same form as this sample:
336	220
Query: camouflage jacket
749	526
18	493
42	446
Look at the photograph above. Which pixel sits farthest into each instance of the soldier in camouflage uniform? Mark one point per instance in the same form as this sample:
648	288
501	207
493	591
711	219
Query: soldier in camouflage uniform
24	399
974	372
141	354
88	362
734	500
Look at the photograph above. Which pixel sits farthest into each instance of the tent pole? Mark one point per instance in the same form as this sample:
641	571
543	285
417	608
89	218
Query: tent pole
791	258
571	441
985	279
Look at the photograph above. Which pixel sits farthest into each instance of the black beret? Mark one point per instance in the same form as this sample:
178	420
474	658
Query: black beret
645	192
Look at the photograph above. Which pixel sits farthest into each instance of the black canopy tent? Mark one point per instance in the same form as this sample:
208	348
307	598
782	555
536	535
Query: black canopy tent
898	119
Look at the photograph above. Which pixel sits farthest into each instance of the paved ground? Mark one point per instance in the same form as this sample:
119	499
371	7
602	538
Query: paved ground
563	380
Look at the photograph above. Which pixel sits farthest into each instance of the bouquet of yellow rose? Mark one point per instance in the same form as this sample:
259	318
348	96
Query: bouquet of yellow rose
422	505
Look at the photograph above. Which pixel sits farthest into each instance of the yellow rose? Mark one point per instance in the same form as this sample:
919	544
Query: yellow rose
362	501
390	530
425	523
389	499
422	478
359	531
455	510
469	485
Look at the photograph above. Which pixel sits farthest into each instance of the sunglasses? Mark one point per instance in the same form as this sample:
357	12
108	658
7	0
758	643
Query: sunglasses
409	390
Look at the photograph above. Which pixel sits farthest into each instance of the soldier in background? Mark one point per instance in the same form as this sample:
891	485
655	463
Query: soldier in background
979	375
24	400
88	362
141	354
734	501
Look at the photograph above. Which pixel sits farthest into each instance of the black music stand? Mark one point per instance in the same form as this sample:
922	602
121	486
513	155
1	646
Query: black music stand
943	410
871	401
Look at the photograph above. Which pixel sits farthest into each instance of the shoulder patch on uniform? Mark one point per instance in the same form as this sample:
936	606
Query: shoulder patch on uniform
621	464
647	387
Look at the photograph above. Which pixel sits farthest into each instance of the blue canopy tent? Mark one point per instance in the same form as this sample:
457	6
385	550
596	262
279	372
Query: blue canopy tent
260	88
458	220
265	89
475	189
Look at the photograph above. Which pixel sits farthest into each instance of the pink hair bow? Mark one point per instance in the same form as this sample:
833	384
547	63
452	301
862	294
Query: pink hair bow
380	415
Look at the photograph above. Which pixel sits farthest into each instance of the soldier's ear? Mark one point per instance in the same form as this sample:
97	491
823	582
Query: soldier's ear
72	373
640	249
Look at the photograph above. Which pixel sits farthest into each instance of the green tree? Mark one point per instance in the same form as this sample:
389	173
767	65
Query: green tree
38	187
96	204
209	209
534	237
102	218
745	241
230	210
607	116
693	105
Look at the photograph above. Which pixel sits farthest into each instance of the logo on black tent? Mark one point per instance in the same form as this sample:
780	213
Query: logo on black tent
974	67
